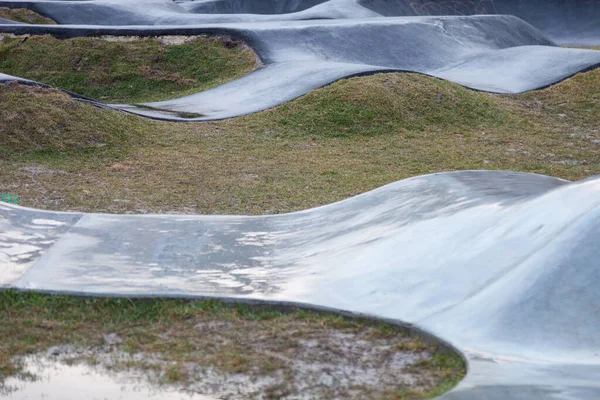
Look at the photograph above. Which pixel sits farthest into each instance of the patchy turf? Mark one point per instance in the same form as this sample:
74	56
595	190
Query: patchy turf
24	15
47	120
333	143
127	69
201	346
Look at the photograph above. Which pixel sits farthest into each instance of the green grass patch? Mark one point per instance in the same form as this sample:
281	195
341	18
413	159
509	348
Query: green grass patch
48	123
126	70
391	105
24	15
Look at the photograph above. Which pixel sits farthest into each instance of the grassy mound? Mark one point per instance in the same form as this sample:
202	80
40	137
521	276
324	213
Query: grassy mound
126	70
24	15
392	103
172	342
48	120
335	142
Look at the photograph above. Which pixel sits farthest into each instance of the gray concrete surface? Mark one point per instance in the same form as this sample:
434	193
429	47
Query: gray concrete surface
306	44
562	20
503	266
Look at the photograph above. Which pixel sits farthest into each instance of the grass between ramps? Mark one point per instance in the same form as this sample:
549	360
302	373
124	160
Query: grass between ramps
24	15
208	345
127	69
336	142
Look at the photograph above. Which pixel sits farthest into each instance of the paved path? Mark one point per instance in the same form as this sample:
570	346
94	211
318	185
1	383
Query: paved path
307	48
503	266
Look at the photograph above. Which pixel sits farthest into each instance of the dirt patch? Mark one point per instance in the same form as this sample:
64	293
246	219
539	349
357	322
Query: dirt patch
226	351
168	40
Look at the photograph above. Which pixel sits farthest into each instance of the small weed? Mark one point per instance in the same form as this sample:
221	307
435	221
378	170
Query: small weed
412	346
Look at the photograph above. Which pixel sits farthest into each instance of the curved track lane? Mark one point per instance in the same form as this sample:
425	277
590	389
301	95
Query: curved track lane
501	54
565	21
503	266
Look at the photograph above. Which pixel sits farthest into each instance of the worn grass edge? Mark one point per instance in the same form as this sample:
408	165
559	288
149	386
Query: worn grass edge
261	65
281	306
18	8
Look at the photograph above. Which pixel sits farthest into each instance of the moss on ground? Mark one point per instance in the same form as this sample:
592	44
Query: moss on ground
24	15
338	141
126	70
173	341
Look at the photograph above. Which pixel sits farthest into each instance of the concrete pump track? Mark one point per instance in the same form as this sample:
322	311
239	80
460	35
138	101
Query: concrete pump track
311	45
502	266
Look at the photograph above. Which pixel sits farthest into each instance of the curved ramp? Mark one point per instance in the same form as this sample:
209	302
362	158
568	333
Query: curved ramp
566	21
503	266
499	54
306	44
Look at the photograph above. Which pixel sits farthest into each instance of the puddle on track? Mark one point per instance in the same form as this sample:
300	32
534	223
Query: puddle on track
52	379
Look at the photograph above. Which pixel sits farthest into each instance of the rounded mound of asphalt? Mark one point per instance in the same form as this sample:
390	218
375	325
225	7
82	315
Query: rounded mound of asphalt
499	54
248	6
495	53
567	21
501	265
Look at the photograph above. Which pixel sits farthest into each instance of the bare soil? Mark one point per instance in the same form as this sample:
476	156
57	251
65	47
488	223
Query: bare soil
225	351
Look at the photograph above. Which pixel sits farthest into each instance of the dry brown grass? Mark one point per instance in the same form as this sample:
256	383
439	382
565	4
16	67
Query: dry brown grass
333	143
